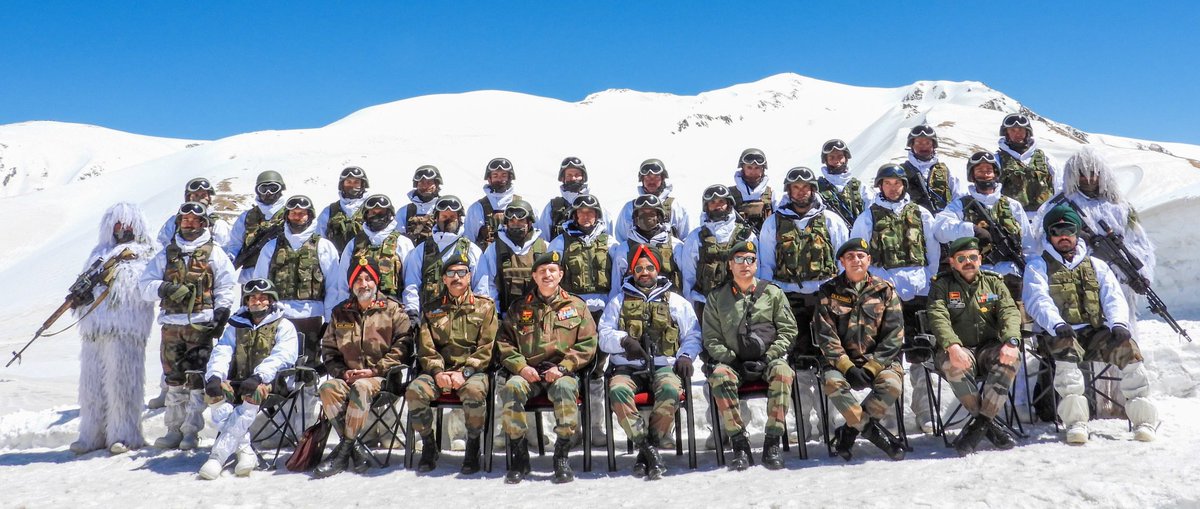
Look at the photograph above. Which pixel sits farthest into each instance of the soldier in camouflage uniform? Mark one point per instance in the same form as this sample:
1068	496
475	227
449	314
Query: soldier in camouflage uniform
381	240
860	328
754	199
342	220
930	183
647	320
263	219
486	216
649	228
544	340
652	179
748	329
1025	171
506	268
368	335
257	344
454	348
196	282
1078	297
573	175
704	259
416	218
841	192
977	327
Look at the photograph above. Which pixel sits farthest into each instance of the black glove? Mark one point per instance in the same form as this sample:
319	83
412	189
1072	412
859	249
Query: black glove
984	236
859	378
683	368
220	316
414	318
249	385
754	369
1120	334
213	388
1064	331
633	349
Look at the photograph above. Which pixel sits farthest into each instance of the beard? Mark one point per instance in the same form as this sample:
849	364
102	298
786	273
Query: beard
190	233
365	295
574	187
450	226
378	222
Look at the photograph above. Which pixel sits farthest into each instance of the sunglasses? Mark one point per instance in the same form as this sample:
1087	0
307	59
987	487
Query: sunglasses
378	202
515	213
451	205
1016	121
644	269
571	162
745	260
500	163
425	174
982	157
965	258
755	159
830	146
269	188
922	131
457	273
299	202
354	172
651	169
1063	230
199	185
256	285
714	192
193	208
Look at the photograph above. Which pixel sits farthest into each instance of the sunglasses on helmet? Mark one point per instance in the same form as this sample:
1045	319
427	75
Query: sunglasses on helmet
922	131
425	174
378	201
499	163
354	172
646	200
754	158
982	157
299	202
587	201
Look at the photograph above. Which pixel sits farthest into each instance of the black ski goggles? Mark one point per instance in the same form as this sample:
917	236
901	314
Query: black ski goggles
832	145
515	213
1016	121
269	188
451	205
499	163
425	174
378	201
256	286
716	192
646	201
353	172
1062	229
194	208
299	202
651	169
199	185
586	201
754	158
922	131
799	175
572	162
981	157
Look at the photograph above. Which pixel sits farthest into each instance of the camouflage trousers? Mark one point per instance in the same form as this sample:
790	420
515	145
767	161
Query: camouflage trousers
884	392
997	382
1095	345
725	381
334	393
472	393
228	393
184	348
563	394
666	387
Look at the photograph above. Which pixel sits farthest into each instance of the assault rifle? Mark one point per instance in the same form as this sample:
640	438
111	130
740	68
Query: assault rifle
249	253
843	208
80	294
1110	247
936	202
1004	246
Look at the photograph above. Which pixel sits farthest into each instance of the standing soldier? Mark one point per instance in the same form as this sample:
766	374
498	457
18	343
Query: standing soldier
112	357
199	190
797	255
263	220
574	177
342	220
544	339
962	219
368	335
860	329
486	216
454	348
748	330
1026	173
506	268
650	229
416	218
978	330
751	193
839	190
930	183
1077	297
704	260
303	267
195	280
648	324
257	344
380	240
423	267
904	252
652	176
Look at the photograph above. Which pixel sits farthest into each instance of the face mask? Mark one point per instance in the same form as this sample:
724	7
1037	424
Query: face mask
353	194
837	170
270	199
500	188
518	235
985	185
647	223
449	226
574	187
378	222
299	228
719	216
123	236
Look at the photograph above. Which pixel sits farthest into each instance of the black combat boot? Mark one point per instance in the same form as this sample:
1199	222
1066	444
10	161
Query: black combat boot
742	457
471	457
652	461
562	463
360	458
639	465
337	461
429	453
970	435
883	439
518	460
999	437
843	440
771	457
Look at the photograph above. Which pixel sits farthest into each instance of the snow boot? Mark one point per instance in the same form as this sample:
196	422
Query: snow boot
971	434
771	457
884	440
639	465
843	440
999	437
742	457
1073	409
1144	417
360	458
176	405
118	448
211	469
562	463
193	420
518	460
652	464
161	400
247	461
337	461
429	453
471	456
80	447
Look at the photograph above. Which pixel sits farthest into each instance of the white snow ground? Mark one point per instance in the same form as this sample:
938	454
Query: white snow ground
49	227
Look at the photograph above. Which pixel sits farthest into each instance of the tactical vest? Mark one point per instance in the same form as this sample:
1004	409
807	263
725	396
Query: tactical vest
492	221
515	271
297	272
754	211
639	318
341	228
560	213
803	255
252	346
1031	185
196	272
417	227
666	264
391	264
1076	292
898	240
1008	224
431	270
938	182
712	268
848	202
587	268
667	214
256	224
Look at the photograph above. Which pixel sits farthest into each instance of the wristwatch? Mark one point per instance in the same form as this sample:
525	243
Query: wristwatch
467	372
1014	342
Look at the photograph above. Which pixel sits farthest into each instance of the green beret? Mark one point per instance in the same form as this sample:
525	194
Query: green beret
963	244
1061	213
456	258
745	246
554	257
854	244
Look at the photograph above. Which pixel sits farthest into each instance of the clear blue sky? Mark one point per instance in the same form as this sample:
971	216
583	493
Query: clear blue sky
212	69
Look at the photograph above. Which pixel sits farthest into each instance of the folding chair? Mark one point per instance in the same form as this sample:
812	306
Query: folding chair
387	405
746	391
901	431
643	401
1009	420
540	404
450	400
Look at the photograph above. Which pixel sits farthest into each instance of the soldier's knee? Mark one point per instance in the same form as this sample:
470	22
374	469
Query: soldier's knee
333	387
1068	379
778	370
564	388
834	383
620	393
514	388
722	374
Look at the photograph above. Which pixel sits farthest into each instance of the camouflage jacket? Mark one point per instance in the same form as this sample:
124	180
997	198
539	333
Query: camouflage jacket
723	316
859	324
458	334
971	314
379	338
537	331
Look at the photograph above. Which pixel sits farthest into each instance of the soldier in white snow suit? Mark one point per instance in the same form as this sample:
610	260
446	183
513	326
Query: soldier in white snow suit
573	175
260	220
506	269
652	177
752	194
416	218
1026	172
485	217
342	220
